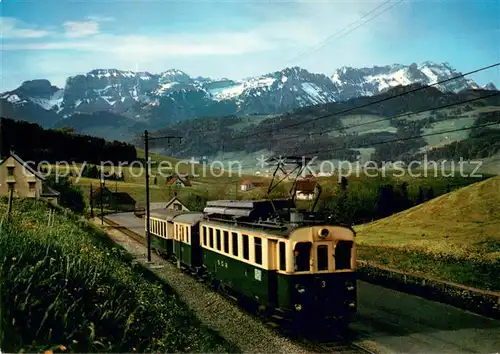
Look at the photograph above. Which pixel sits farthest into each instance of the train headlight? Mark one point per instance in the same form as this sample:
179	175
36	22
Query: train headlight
300	289
298	307
323	233
352	304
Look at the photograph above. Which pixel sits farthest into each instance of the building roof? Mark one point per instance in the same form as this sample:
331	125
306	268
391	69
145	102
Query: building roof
305	186
175	199
49	192
25	165
175	178
124	198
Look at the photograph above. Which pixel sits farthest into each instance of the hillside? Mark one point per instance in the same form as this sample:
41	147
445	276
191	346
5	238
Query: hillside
68	288
455	236
352	135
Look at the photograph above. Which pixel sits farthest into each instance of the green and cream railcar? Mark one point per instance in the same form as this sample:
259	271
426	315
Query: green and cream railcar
309	271
186	240
162	230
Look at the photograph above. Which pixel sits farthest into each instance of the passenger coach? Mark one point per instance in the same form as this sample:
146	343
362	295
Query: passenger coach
296	264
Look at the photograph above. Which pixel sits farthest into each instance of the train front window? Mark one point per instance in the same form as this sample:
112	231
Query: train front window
322	255
302	254
343	255
282	256
204	235
211	237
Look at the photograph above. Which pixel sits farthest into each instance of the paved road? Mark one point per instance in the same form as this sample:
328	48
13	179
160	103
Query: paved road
391	321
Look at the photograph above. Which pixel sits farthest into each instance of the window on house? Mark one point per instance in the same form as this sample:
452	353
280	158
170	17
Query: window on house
211	237
217	232
31	186
235	244
258	249
10	171
226	241
322	257
245	247
282	256
204	235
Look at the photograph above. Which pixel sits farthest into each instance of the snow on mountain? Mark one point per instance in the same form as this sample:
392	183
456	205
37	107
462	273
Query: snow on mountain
174	95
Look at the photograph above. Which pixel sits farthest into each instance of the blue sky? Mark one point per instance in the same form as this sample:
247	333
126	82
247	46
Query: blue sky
54	39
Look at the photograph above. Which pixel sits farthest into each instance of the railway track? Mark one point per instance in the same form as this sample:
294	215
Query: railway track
327	342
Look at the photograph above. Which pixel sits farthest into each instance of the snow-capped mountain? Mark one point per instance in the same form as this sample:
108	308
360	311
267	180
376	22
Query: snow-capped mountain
173	95
352	82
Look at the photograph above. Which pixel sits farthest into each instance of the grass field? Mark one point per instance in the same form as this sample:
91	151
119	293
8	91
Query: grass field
455	237
67	288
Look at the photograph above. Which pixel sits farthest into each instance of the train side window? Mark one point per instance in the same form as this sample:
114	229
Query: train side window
322	256
302	254
235	244
211	238
217	232
343	255
226	241
282	256
187	234
204	235
258	249
245	247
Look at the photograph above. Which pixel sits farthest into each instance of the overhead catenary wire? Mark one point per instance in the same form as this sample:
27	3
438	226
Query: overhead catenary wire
260	133
409	114
335	36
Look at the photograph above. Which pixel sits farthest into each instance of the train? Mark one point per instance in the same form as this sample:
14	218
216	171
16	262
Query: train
293	264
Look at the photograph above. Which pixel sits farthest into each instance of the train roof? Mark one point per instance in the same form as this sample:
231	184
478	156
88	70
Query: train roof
191	218
166	214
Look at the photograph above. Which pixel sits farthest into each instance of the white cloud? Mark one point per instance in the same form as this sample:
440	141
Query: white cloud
281	31
14	28
75	29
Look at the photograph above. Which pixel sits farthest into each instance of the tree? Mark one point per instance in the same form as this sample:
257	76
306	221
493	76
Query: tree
70	196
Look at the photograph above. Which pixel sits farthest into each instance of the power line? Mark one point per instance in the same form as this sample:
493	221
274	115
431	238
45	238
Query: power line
371	103
332	37
407	138
397	116
409	115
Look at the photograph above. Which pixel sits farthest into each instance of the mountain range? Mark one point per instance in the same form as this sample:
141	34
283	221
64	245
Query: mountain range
116	104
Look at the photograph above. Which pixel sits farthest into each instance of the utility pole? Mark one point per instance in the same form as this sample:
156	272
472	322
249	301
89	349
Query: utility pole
11	196
146	155
91	202
116	195
102	204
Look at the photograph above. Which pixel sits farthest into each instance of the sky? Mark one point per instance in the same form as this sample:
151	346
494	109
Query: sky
54	39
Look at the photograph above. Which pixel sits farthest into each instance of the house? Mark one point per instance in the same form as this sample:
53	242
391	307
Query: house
121	201
176	204
305	189
247	185
25	181
177	181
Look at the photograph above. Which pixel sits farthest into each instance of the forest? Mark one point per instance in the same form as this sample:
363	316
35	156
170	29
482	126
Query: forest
33	143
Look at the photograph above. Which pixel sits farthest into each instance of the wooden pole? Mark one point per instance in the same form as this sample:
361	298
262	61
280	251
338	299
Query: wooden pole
11	196
146	155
